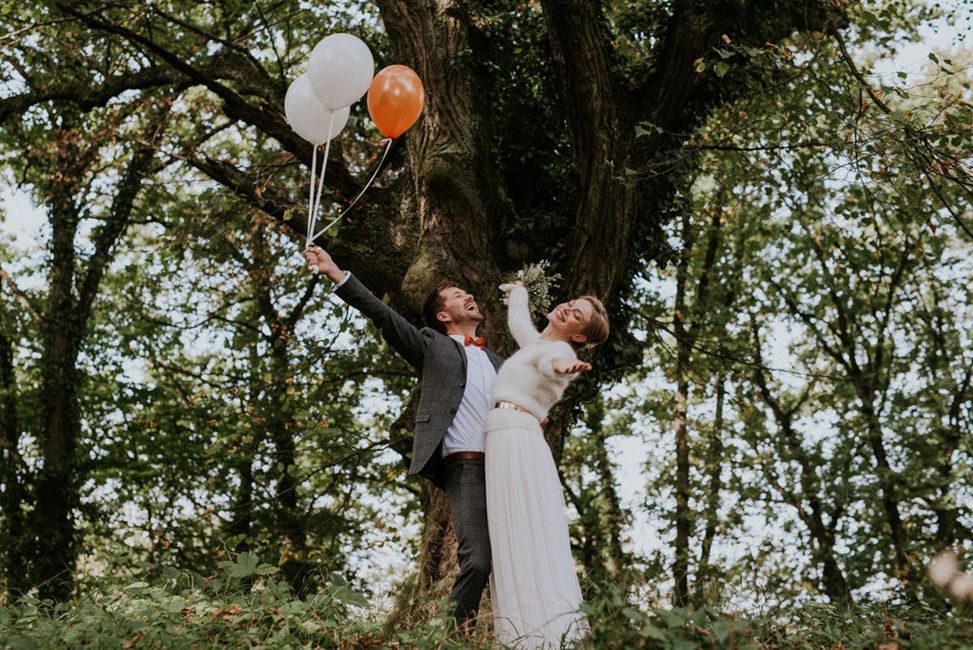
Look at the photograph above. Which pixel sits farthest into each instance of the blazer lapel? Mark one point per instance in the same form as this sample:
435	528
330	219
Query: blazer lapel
495	359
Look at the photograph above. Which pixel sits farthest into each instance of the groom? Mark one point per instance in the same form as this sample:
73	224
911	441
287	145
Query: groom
457	375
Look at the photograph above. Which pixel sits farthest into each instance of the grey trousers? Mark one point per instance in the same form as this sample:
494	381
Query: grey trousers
466	493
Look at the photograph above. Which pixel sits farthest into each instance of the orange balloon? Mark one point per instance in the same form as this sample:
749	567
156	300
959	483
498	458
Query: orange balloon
395	100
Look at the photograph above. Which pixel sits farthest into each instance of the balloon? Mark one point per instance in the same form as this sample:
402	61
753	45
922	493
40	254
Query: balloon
340	68
308	116
395	100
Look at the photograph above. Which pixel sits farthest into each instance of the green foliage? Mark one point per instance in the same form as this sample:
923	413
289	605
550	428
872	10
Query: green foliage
832	313
615	623
244	604
873	626
186	610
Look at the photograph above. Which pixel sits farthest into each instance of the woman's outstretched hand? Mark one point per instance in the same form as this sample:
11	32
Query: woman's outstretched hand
566	367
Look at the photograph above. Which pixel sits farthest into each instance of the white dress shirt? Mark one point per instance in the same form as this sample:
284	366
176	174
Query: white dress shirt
342	280
466	431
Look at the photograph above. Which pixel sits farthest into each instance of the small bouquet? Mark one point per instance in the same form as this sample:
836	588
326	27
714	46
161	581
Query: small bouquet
540	285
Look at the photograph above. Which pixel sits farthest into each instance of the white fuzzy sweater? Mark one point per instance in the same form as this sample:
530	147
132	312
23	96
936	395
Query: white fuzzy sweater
528	378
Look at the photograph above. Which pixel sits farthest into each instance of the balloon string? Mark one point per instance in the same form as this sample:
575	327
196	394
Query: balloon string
324	166
388	147
310	199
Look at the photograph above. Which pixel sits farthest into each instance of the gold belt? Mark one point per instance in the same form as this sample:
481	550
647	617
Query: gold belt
510	405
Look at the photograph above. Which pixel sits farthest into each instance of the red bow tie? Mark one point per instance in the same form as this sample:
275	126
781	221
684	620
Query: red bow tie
473	340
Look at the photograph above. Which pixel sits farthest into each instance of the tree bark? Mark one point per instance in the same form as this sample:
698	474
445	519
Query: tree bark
601	518
13	478
868	385
950	433
680	563
714	464
615	559
241	522
686	337
51	522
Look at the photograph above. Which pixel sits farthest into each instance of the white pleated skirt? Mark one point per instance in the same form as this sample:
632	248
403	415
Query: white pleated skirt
535	595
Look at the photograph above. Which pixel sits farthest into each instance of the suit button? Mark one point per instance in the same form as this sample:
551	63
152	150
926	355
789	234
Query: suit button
452	411
462	384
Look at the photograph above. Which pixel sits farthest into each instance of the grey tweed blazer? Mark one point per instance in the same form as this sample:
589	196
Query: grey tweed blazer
441	363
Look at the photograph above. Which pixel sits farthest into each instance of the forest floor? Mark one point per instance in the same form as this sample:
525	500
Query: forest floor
247	606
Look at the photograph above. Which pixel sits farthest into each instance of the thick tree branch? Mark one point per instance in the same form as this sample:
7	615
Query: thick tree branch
579	42
119	216
21	296
87	96
246	185
269	118
238	49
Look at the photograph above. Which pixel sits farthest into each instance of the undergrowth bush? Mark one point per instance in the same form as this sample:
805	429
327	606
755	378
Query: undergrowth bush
244	606
247	606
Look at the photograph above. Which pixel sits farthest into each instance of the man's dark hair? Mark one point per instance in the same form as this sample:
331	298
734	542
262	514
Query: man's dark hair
434	304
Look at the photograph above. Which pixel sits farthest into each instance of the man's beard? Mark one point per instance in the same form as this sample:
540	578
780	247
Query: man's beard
466	317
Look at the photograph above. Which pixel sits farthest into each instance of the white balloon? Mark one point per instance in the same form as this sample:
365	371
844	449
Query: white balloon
341	67
308	116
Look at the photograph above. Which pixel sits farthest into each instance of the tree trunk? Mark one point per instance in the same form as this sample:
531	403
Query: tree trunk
614	557
947	514
680	563
714	463
277	413
888	483
601	518
457	198
807	503
279	417
13	496
69	305
56	487
951	433
687	320
241	523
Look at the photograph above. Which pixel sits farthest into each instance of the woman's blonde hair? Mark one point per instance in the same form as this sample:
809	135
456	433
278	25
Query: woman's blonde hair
597	329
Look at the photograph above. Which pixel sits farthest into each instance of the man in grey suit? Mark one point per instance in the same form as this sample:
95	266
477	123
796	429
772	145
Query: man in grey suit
457	375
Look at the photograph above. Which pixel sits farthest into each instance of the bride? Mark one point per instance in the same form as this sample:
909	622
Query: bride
534	589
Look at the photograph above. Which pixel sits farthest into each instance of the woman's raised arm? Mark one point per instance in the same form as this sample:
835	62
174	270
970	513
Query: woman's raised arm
518	314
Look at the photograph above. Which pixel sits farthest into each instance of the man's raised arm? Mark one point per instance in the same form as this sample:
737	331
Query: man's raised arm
402	335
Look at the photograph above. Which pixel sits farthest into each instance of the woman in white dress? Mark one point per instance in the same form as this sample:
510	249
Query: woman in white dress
534	588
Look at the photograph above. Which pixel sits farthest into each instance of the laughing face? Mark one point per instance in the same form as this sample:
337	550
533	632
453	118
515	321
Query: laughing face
458	308
569	319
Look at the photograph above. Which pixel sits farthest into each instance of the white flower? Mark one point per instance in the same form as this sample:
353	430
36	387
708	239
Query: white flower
539	286
943	568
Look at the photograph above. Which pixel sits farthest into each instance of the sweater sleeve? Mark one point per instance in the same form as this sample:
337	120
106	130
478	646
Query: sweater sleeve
518	317
546	363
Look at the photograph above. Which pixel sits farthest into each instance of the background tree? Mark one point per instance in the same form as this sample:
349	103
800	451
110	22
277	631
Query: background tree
85	177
